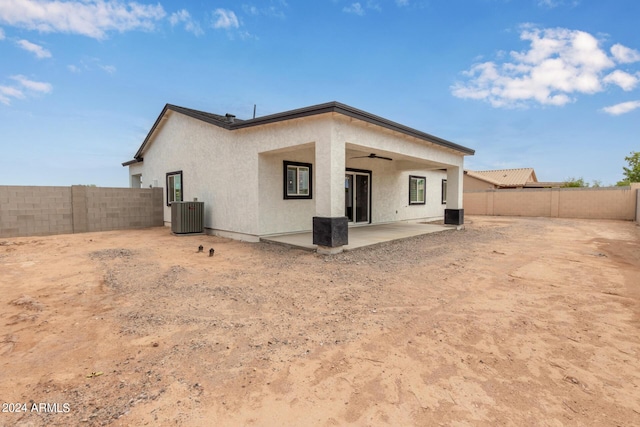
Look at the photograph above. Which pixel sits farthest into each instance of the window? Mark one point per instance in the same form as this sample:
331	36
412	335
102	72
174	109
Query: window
417	185
174	187
444	191
297	180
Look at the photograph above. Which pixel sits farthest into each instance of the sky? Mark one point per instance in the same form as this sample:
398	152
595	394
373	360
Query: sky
548	84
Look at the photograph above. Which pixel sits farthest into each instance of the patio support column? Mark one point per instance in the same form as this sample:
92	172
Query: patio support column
454	213
330	231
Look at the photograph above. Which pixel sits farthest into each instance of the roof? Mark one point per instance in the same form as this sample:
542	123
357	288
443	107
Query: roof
542	184
231	123
506	177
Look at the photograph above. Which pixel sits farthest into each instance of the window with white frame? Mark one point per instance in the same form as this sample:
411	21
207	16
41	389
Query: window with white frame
297	180
417	189
174	187
444	191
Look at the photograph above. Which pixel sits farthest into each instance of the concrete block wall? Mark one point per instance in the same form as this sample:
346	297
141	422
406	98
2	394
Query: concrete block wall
591	203
37	211
598	203
122	208
514	202
638	206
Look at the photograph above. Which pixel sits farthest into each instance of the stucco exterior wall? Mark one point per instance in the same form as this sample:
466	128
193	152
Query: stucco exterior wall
209	160
390	192
589	203
238	174
278	215
390	179
474	184
362	135
270	145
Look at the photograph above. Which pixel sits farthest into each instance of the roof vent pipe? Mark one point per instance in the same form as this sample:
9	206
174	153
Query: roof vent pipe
230	118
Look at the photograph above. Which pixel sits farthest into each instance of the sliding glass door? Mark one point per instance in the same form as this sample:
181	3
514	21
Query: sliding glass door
357	190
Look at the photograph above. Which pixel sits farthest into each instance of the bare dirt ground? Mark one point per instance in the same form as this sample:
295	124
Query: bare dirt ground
513	321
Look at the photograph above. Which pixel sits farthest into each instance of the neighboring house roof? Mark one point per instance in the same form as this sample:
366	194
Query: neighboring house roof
506	177
548	184
230	123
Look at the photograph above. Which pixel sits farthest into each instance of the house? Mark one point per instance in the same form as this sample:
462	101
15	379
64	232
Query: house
322	168
502	178
505	178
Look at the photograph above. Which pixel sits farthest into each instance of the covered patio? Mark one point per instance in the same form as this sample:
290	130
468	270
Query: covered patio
363	236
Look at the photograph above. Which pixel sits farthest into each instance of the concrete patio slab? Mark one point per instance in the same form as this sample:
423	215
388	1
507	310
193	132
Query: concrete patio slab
363	236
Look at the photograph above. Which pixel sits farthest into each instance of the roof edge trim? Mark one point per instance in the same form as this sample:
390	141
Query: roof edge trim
132	162
337	107
329	107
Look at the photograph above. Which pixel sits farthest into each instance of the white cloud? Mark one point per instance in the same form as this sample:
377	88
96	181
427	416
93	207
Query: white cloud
183	16
551	4
225	19
355	8
8	93
250	9
33	85
622	108
179	16
275	9
1	34
624	55
558	64
373	5
90	64
245	35
37	50
548	3
92	18
402	2
625	80
361	9
108	68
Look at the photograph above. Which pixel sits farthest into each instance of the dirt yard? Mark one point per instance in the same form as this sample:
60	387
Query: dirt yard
516	322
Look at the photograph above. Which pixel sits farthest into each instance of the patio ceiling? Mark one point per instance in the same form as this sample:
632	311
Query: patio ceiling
399	162
358	154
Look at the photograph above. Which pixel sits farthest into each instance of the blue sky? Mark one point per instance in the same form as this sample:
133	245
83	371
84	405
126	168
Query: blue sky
548	84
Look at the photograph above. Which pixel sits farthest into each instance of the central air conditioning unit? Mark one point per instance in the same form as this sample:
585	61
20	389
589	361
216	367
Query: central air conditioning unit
187	217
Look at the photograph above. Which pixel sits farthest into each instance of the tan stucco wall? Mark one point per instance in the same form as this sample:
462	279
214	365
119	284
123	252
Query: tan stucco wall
592	203
474	184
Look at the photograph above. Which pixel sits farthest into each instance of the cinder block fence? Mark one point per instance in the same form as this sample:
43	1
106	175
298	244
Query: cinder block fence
38	211
620	203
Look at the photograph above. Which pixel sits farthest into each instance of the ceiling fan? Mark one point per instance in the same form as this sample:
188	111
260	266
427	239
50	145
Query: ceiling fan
373	156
